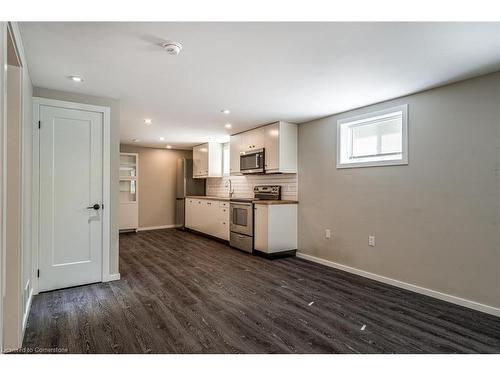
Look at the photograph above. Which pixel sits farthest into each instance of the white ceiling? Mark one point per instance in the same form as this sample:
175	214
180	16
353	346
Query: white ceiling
262	72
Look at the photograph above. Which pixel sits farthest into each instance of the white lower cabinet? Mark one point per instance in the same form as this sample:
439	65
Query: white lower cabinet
275	227
208	216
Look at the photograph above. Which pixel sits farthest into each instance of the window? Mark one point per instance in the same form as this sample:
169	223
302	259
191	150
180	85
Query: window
225	159
372	139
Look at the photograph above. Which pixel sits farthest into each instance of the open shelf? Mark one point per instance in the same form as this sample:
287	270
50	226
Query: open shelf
129	180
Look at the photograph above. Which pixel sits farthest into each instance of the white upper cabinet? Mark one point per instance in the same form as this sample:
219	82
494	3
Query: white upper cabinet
234	154
279	140
252	139
280	144
207	160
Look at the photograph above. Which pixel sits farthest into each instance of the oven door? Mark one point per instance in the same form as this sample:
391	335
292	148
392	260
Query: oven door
252	161
242	218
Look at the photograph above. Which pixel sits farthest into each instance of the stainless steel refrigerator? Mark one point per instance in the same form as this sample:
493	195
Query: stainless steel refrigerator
186	185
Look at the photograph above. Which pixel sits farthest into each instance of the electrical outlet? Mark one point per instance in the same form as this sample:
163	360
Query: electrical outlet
328	233
371	240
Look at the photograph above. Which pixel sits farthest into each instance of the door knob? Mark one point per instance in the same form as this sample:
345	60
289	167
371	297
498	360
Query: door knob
94	207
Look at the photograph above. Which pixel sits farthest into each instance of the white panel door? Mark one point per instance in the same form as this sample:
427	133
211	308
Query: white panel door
70	184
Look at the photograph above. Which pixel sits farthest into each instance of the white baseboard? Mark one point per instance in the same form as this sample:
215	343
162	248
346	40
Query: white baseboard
401	284
111	277
159	227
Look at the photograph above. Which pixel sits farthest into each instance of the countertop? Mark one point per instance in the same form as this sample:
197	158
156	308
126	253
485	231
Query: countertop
270	202
209	197
226	199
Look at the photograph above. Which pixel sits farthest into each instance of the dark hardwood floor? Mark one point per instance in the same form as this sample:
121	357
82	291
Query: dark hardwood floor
182	293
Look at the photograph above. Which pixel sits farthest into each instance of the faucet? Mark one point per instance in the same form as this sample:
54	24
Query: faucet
231	190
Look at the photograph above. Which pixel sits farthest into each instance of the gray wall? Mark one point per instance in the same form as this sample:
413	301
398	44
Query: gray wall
157	183
436	220
114	157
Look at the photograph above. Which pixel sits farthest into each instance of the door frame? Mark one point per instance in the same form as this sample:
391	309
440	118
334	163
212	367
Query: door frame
3	214
106	181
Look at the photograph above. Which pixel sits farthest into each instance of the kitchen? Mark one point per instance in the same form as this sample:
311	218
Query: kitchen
243	192
263	223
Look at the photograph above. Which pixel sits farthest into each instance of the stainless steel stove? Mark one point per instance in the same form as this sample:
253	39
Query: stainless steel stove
242	220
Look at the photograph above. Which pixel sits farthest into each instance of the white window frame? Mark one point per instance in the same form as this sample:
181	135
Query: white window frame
368	115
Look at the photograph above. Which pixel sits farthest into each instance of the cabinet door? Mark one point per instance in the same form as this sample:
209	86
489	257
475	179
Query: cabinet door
234	154
200	160
272	141
252	139
214	160
223	223
196	161
258	138
129	216
190	214
246	141
210	217
204	160
261	227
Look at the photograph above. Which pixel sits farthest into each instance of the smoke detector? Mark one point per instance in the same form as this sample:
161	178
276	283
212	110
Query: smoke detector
172	48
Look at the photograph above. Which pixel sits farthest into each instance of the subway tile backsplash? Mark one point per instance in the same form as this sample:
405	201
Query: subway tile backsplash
243	185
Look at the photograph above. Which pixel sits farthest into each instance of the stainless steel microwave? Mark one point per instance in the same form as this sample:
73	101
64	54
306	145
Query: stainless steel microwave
252	161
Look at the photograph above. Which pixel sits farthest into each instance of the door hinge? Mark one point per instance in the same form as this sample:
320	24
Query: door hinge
39	124
38	273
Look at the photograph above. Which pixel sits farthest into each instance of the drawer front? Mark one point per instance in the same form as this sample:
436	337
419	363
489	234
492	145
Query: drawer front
224	213
241	242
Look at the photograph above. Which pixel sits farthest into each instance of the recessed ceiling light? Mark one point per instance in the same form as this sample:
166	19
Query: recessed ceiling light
228	126
226	111
148	121
162	138
135	140
168	146
76	78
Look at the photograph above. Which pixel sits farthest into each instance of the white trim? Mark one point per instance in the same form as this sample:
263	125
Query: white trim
401	284
112	277
26	248
106	181
3	214
159	227
27	312
10	29
361	164
106	192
